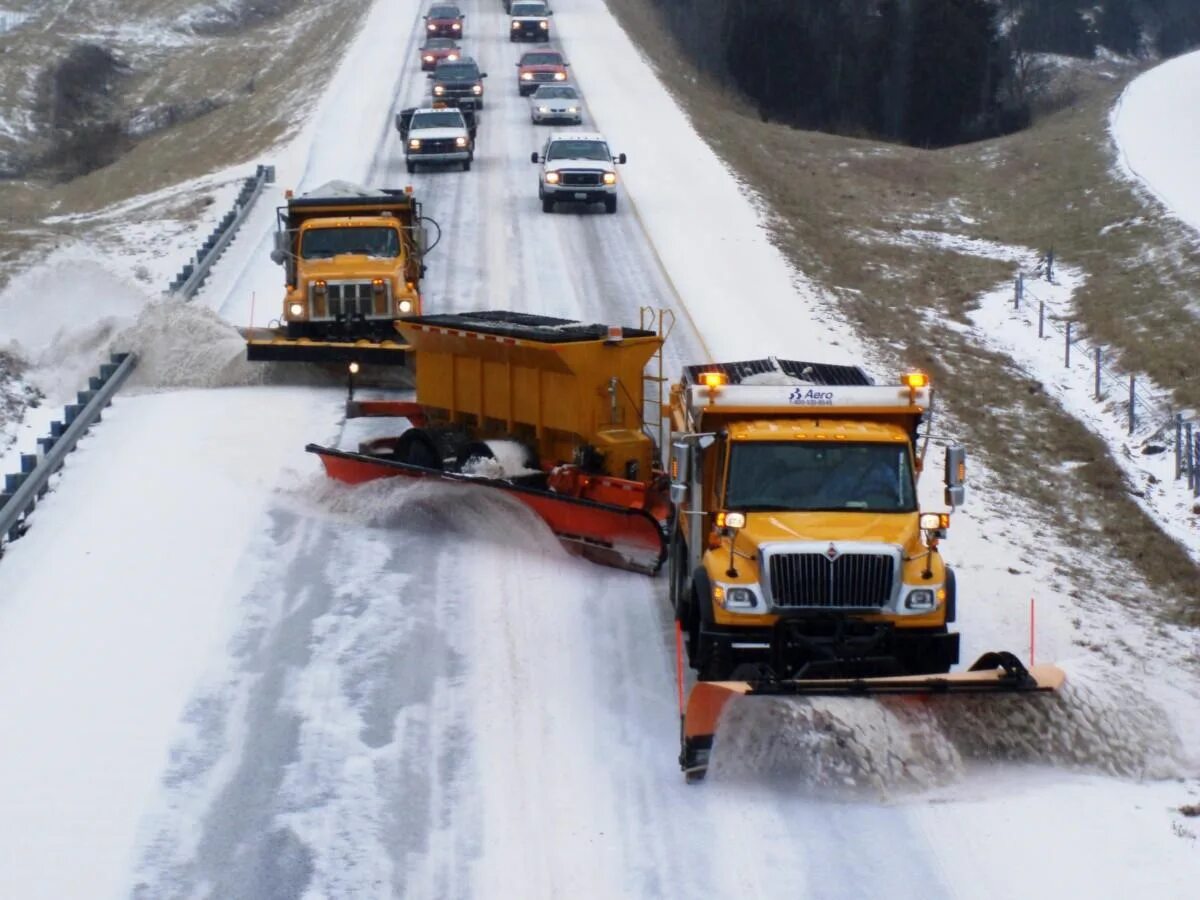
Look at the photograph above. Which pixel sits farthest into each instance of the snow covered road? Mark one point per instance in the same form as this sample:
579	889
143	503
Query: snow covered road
263	685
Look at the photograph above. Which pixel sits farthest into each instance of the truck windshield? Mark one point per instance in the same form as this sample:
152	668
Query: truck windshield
810	476
597	150
326	243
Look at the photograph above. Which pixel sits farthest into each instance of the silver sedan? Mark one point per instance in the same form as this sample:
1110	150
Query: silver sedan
556	103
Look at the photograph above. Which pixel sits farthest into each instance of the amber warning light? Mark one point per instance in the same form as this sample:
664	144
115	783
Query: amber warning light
713	379
916	380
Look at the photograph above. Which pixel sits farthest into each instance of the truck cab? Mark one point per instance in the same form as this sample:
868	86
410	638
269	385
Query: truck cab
352	262
798	545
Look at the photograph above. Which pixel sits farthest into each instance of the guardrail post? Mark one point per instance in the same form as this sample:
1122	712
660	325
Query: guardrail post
1196	467
1098	358
1067	358
1041	317
1018	290
1191	468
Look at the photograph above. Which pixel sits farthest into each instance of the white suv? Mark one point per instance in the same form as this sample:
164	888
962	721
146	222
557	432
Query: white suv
577	166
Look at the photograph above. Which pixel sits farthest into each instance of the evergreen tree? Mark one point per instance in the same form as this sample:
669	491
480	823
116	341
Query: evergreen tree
1118	28
1054	26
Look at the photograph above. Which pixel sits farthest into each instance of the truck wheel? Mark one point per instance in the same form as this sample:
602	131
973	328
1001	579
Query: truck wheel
547	205
411	166
610	204
418	448
466	165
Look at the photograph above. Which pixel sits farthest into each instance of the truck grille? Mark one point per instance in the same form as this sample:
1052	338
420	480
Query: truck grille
543	76
812	580
440	145
580	179
344	299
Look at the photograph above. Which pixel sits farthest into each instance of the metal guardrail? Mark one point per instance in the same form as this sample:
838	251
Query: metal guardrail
192	276
22	491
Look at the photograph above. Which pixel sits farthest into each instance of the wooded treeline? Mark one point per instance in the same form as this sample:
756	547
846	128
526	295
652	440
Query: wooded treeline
925	72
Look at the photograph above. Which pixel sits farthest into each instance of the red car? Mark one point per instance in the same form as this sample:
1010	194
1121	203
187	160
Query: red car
540	67
444	20
437	49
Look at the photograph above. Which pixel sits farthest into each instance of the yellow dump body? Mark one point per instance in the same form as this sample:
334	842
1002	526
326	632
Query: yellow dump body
558	385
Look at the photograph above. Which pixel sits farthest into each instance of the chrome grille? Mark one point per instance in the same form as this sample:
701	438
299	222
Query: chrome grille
812	580
344	299
580	179
438	145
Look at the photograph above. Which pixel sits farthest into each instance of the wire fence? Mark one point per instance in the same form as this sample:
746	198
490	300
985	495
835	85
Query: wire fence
1146	413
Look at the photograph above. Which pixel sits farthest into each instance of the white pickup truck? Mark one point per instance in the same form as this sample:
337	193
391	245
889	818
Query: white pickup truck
577	167
435	136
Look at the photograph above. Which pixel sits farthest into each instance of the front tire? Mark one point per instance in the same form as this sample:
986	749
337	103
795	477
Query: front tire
411	166
610	204
547	205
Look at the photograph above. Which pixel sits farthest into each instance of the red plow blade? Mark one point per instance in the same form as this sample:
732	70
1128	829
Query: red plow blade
608	534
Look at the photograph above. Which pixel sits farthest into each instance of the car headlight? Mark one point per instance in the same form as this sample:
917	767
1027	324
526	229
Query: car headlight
543	109
610	178
922	598
296	309
572	109
452	56
527	76
427	58
560	76
414	144
515	25
460	142
404	306
432	27
544	25
438	90
477	89
551	178
456	26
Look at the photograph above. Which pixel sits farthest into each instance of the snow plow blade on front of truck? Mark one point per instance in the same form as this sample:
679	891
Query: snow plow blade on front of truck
997	672
265	345
625	537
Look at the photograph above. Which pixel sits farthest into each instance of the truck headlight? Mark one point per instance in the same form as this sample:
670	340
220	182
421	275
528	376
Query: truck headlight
456	27
560	76
414	144
438	90
551	178
610	178
428	58
740	598
515	25
477	89
404	306
922	598
432	27
527	76
460	142
544	25
296	309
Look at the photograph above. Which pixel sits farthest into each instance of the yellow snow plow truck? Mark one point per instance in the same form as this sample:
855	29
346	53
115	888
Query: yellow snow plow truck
800	560
352	260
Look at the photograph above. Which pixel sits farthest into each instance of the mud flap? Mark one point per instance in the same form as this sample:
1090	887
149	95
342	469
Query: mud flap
617	536
996	672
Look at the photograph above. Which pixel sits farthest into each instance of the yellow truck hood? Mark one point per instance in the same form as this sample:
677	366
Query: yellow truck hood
900	529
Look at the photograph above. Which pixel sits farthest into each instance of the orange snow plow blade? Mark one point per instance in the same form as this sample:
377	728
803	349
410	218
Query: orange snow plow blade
625	537
998	672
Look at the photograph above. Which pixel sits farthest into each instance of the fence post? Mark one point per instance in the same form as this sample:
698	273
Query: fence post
1050	265
1067	358
1018	290
1098	357
1041	317
1132	400
1178	444
1191	473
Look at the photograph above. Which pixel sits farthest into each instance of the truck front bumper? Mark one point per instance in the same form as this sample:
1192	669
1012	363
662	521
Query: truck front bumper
583	194
444	157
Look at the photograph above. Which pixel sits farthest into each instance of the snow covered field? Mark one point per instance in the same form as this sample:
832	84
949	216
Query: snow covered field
224	677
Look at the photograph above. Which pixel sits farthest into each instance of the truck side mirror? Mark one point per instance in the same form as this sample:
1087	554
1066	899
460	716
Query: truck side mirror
681	459
621	159
280	254
533	157
956	475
